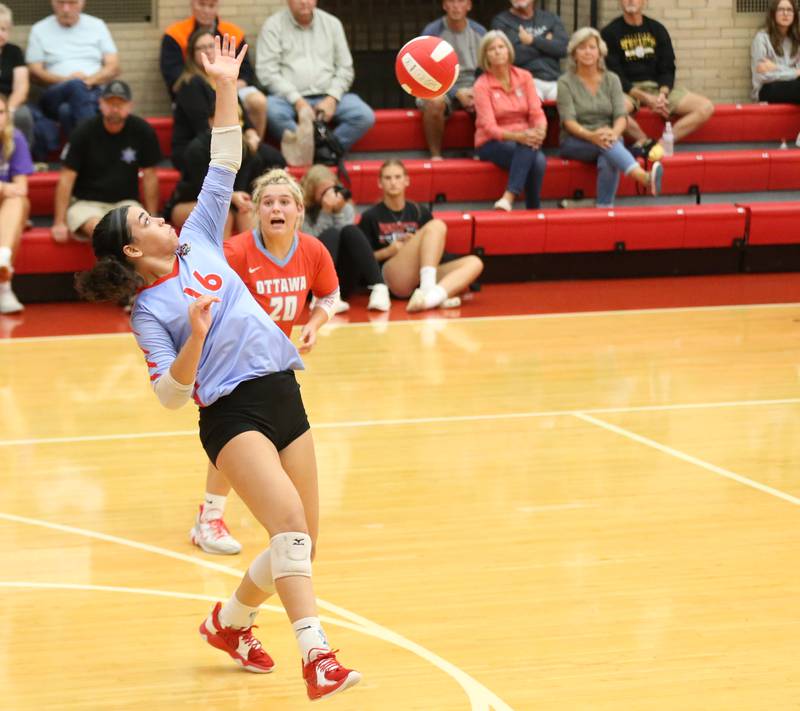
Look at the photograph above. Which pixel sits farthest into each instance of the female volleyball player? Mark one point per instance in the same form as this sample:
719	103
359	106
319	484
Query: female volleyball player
204	336
280	265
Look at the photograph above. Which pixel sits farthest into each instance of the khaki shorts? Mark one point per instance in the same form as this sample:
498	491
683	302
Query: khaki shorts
82	210
675	97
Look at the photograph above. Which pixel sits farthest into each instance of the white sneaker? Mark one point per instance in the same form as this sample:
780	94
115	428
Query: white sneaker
452	302
503	204
213	536
9	303
379	299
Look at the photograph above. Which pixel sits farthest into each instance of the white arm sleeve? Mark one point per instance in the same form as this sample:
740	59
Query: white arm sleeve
172	394
226	147
327	303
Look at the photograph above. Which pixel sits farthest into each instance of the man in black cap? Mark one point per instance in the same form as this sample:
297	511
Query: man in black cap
102	164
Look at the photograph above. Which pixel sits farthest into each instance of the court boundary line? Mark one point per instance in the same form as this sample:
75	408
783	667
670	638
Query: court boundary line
352	424
330	327
481	698
688	458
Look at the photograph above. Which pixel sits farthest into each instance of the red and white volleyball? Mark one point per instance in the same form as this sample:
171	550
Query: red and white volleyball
426	67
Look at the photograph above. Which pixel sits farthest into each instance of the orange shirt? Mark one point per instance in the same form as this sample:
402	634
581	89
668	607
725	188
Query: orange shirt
281	286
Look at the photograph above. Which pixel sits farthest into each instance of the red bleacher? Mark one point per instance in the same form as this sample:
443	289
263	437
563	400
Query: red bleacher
544	231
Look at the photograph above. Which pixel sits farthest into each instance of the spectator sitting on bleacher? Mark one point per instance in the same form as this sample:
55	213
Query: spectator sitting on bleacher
194	100
72	54
539	40
593	118
640	53
196	159
15	167
409	242
465	36
510	124
775	55
102	164
305	63
330	217
14	77
174	46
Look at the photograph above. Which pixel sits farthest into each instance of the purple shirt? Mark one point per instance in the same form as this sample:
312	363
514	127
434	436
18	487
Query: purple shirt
20	162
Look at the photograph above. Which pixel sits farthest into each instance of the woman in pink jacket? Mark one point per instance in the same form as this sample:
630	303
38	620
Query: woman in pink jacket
510	124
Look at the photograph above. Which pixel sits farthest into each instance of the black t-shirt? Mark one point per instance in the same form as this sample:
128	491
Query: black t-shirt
383	226
11	57
108	164
640	52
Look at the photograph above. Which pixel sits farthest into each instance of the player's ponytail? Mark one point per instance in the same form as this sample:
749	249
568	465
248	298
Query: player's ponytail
112	278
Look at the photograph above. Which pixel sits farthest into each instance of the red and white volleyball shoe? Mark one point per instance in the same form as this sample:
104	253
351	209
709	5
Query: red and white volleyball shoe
324	676
245	649
213	536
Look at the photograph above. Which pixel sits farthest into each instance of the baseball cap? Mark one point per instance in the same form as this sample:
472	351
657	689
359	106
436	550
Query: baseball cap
117	88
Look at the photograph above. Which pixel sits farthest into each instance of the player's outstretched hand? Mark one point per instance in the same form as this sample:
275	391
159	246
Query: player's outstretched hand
200	314
225	63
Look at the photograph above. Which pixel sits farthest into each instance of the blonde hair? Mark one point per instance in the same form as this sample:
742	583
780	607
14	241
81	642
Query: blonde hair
488	38
277	176
7	134
6	14
315	175
580	36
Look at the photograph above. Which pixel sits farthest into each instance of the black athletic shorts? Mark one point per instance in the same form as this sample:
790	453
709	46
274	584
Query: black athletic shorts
270	404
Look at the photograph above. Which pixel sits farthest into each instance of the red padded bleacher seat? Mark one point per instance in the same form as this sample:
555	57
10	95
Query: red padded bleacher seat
735	171
714	225
683	171
784	170
649	227
460	230
774	223
39	254
462	179
499	233
588	230
736	123
163	129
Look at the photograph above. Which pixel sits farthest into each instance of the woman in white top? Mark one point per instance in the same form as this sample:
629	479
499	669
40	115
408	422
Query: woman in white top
775	55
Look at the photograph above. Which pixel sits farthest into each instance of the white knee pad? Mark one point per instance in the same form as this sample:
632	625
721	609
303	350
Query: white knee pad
260	571
290	554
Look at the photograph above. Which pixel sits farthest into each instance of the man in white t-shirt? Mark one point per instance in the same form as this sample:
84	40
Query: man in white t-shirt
465	37
73	55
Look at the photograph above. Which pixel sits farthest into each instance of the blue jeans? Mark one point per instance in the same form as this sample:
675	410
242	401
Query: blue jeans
352	119
525	166
69	103
610	163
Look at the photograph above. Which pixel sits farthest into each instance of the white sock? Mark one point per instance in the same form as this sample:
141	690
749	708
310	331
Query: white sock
213	506
5	256
234	614
5	287
310	638
427	278
434	296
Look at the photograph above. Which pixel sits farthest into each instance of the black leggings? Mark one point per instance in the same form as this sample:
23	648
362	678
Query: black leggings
781	92
353	258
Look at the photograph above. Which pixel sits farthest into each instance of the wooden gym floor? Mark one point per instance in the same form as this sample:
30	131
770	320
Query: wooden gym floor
567	511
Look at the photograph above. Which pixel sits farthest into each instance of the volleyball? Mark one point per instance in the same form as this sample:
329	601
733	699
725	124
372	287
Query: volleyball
426	67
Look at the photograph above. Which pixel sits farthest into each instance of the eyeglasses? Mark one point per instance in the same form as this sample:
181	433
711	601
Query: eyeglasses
785	10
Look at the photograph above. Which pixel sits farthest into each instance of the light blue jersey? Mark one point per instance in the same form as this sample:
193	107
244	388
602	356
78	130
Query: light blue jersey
243	342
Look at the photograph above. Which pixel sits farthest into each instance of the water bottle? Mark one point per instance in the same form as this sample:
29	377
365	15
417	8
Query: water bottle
668	140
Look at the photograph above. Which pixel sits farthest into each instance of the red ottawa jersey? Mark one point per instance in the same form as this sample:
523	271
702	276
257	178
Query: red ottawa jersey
281	286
